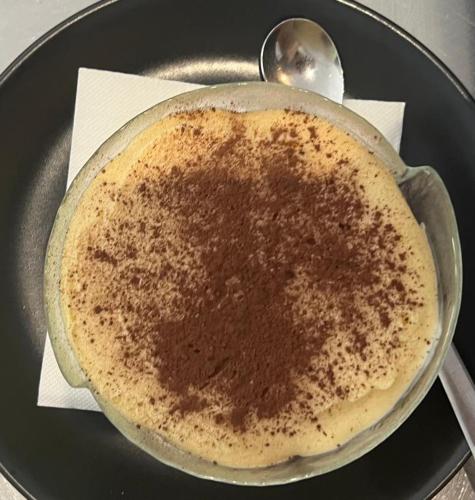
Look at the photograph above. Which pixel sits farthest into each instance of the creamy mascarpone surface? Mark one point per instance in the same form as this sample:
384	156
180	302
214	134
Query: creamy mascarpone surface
250	286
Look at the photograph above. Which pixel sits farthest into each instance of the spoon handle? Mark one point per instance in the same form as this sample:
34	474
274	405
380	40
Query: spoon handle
460	390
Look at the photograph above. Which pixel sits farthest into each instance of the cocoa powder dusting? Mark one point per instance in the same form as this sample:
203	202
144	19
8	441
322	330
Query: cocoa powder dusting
239	337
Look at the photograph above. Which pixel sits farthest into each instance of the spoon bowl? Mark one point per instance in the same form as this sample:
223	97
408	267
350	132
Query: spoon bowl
300	53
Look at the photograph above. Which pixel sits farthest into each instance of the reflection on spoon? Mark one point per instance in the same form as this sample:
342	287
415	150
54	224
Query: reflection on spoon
300	53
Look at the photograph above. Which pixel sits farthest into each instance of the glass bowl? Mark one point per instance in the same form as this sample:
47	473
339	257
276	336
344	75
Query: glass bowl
425	194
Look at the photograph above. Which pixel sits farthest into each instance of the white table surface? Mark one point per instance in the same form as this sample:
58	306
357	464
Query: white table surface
447	27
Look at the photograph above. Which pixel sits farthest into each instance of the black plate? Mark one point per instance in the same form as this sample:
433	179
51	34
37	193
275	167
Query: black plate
51	453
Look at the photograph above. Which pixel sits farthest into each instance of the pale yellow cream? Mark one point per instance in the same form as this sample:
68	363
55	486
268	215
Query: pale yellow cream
151	155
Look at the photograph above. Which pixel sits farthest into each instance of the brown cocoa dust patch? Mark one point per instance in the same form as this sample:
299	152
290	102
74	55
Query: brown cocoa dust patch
257	235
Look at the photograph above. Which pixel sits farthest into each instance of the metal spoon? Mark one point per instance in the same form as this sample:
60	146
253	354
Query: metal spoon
460	390
300	53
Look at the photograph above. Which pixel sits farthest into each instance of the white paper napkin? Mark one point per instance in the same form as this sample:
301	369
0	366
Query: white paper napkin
104	102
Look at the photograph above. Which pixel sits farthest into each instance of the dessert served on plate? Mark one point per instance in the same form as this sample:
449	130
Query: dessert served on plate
249	286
